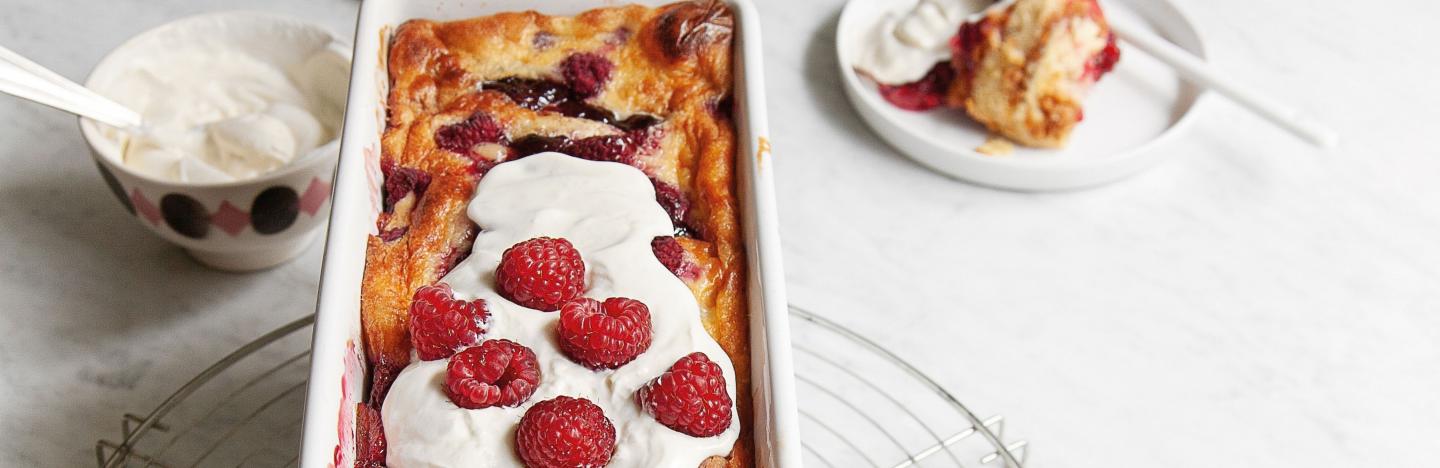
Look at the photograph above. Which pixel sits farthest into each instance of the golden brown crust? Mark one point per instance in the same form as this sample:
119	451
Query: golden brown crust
383	303
671	62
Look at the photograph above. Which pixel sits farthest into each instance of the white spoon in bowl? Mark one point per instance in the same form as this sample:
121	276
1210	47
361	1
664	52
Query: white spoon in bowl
25	79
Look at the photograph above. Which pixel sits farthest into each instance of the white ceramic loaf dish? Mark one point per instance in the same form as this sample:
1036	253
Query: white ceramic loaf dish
338	374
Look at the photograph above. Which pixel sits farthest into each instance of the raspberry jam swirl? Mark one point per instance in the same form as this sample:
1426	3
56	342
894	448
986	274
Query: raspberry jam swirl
608	211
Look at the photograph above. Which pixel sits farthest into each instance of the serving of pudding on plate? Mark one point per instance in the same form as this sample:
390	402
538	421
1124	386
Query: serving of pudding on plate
1020	67
557	277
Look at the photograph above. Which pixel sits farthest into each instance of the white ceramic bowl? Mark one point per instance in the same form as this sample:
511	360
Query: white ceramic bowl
241	225
1128	115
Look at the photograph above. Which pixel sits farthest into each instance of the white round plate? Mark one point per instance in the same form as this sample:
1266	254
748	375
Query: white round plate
1128	113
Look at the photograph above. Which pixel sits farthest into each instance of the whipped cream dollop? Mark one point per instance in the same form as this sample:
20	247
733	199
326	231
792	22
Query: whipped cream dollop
904	45
216	113
608	211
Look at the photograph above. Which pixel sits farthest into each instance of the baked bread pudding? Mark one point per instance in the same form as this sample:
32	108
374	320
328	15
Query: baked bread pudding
1020	67
557	275
1023	70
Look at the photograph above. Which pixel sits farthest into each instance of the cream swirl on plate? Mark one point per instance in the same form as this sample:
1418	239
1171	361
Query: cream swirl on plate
608	211
902	46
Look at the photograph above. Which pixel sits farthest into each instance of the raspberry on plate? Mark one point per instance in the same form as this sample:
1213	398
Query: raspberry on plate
496	373
565	432
690	397
541	273
441	324
604	335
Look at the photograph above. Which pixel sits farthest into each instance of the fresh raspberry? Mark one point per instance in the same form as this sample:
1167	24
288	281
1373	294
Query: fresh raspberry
690	397
400	182
541	273
925	94
586	74
441	324
370	446
476	129
496	373
604	336
565	432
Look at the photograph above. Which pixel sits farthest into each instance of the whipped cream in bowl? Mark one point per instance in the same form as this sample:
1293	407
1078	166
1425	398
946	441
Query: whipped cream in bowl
241	117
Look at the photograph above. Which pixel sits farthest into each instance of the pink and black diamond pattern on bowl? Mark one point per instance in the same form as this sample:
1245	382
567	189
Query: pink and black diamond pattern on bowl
272	211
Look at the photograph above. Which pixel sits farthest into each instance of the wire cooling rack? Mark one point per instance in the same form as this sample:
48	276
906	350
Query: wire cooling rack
244	410
860	406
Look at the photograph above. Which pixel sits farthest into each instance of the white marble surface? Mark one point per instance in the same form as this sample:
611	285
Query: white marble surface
1253	302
